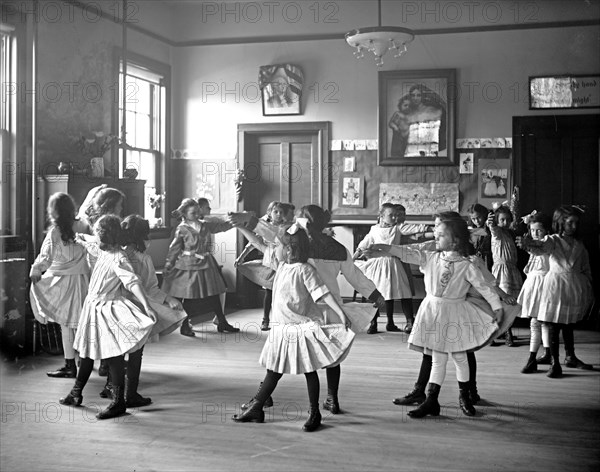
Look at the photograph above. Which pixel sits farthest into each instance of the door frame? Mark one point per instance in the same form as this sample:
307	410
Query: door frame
320	173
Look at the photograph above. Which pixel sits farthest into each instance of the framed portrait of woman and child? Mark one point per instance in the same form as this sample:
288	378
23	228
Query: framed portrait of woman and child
416	117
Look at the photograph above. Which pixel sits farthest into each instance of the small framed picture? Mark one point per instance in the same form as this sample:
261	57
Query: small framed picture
350	164
466	163
281	89
352	190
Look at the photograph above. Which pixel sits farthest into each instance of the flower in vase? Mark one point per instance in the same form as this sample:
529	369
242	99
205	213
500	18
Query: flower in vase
96	143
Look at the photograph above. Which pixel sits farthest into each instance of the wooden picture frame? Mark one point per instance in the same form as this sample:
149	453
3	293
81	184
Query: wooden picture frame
416	117
564	92
352	190
281	89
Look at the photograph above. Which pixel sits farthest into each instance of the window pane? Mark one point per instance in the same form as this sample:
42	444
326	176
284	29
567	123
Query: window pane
142	131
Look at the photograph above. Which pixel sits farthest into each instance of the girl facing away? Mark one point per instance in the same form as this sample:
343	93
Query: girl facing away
446	323
60	276
191	271
566	294
111	325
301	341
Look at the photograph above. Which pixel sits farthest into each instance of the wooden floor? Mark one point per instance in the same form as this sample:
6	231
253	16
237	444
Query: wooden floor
526	423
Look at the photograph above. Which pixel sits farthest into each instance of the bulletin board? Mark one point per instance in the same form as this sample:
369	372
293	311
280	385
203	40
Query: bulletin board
374	175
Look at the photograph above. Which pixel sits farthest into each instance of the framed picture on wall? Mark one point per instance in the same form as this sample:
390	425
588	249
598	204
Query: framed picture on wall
352	190
494	183
564	91
416	117
281	89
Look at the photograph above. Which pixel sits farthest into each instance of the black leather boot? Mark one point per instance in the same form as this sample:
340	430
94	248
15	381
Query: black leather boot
555	371
546	358
575	363
417	395
103	369
431	405
332	404
531	366
117	406
132	398
225	327
106	391
75	396
473	393
186	328
268	402
464	399
509	340
252	414
68	371
314	420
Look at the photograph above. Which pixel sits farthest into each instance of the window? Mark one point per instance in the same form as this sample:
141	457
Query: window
8	109
142	114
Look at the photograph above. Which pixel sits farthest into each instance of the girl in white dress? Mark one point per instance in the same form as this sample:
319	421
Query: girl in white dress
60	277
385	270
110	325
301	341
566	294
446	323
135	232
529	298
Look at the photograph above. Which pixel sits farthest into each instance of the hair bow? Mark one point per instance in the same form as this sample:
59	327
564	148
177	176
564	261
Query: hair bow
496	205
581	208
526	218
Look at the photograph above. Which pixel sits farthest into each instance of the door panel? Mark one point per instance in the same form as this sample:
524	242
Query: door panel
557	163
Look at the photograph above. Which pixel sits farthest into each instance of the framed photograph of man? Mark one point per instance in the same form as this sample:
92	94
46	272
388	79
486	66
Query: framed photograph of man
352	190
416	117
281	89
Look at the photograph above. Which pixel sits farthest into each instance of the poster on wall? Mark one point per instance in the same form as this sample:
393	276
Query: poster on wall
494	183
421	199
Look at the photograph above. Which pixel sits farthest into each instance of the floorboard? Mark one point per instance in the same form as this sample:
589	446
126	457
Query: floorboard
526	422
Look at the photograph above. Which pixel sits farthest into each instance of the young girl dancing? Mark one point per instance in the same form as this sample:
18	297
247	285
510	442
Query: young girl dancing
387	272
60	277
504	255
278	213
191	271
331	259
566	294
301	340
446	323
135	232
110	325
536	269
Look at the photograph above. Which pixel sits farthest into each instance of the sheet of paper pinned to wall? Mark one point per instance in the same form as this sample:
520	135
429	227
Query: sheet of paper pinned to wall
421	198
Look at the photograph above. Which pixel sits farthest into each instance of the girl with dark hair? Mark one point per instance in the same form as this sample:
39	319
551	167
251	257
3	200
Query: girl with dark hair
301	339
60	276
111	325
191	271
446	323
566	292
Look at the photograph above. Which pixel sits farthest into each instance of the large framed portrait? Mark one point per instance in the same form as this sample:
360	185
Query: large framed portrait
416	117
281	89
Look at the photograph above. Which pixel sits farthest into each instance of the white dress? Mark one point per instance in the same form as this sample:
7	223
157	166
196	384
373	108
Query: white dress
531	292
446	321
299	341
566	294
111	325
387	272
59	295
168	319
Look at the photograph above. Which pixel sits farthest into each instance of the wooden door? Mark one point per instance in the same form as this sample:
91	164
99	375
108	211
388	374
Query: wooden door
285	162
556	161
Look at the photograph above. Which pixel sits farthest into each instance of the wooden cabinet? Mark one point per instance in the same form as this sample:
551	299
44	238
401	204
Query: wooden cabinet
78	186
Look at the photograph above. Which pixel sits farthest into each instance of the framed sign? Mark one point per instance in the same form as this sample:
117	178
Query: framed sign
421	199
352	190
494	181
281	89
566	91
416	117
